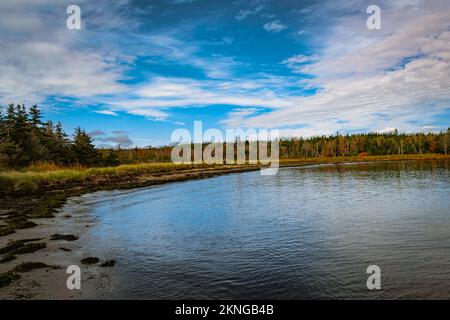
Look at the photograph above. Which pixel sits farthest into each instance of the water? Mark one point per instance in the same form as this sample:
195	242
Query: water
307	232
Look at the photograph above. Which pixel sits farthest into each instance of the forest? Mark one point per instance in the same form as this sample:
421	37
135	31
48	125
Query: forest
26	139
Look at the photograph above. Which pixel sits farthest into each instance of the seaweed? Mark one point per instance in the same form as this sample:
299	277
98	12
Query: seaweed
27	266
90	260
67	237
108	263
8	258
7	278
21	247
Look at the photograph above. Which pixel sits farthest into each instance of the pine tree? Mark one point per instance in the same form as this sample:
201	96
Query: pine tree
36	116
84	150
2	125
64	154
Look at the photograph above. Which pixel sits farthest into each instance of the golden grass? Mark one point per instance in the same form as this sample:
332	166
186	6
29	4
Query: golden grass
29	180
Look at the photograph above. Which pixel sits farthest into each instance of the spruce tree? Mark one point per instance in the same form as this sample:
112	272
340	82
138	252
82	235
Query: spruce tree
84	150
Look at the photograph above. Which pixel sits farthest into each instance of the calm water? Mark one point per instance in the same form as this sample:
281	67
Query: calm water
307	232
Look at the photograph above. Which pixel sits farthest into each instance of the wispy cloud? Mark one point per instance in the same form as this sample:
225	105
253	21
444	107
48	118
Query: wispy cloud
274	26
96	133
169	47
122	140
103	139
297	63
157	97
244	14
106	112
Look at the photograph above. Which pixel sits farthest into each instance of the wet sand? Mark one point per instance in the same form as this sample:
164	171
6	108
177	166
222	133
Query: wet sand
48	283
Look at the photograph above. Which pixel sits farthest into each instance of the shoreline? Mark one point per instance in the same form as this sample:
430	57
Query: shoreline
38	217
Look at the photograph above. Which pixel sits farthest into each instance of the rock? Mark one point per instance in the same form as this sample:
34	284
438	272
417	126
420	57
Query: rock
12	245
67	237
22	224
108	263
27	266
7	278
5	230
29	248
90	260
7	258
20	246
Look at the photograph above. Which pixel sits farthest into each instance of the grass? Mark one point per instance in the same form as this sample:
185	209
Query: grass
31	179
42	175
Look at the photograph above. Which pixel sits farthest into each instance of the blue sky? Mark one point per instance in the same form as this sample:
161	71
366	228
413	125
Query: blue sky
137	70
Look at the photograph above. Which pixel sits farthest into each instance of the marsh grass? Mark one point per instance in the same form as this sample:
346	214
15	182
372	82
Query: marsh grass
30	179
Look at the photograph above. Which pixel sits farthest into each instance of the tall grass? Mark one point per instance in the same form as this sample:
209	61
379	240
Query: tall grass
31	179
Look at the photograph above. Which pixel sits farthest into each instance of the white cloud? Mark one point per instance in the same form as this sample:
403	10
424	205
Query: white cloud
386	130
274	26
106	112
297	63
171	49
155	99
244	14
401	72
40	57
147	112
300	58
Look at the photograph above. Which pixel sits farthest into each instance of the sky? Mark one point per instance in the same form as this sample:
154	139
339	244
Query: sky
138	70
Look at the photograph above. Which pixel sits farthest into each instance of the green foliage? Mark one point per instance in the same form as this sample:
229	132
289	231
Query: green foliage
374	144
84	150
25	139
111	159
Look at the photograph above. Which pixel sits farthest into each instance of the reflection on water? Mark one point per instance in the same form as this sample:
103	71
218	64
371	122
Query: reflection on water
307	232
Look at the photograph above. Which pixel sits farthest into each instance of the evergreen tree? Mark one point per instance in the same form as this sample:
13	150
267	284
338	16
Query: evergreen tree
111	159
84	150
35	115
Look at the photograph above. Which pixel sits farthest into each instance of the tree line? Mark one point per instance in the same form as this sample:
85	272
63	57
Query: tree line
392	143
25	138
